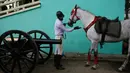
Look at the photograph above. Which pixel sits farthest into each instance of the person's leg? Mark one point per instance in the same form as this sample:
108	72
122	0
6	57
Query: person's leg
55	56
58	55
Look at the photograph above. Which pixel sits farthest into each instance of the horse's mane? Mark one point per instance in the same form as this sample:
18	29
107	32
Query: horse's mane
85	10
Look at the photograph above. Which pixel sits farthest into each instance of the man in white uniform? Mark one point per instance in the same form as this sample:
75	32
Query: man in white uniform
59	29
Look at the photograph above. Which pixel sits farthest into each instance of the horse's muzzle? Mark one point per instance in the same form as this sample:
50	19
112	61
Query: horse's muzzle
70	23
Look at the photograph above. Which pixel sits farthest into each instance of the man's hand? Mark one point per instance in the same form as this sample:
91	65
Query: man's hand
64	24
77	27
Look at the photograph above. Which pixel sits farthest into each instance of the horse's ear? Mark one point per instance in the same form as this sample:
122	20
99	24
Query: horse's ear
75	6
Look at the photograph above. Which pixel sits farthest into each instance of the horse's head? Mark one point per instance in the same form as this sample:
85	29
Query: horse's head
74	17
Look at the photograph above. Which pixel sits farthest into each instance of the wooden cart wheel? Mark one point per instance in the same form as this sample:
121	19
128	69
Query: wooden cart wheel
45	50
18	52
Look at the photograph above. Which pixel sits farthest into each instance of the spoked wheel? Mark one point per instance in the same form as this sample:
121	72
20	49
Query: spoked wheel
18	52
45	50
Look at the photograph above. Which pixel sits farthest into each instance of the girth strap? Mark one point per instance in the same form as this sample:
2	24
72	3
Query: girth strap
103	34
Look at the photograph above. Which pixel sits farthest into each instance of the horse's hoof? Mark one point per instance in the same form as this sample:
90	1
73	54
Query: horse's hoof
120	69
87	64
93	68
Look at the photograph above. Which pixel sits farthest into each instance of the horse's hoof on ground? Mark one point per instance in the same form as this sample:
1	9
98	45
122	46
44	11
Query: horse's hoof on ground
87	64
93	68
120	69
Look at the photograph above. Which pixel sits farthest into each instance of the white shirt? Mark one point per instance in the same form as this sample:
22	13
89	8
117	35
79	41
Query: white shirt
59	28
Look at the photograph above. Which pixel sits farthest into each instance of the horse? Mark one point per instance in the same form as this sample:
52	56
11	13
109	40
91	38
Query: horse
89	20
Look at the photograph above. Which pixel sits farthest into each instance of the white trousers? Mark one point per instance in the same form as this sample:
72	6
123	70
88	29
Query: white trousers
58	49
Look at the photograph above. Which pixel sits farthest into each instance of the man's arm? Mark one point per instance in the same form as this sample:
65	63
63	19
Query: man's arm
66	29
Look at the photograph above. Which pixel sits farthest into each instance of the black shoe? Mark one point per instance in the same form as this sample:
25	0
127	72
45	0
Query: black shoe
55	60
60	68
55	65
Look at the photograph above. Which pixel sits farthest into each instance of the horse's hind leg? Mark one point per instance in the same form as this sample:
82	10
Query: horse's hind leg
125	63
126	60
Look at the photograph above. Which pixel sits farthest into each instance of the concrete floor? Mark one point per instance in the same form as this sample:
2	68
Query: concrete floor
77	66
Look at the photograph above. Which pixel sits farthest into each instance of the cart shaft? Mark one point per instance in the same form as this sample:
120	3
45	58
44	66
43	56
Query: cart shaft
48	41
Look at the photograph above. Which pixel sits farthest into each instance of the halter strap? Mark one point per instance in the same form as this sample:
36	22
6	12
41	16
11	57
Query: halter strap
92	23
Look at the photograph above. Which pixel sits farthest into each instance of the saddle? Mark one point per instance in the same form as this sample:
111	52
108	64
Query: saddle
108	27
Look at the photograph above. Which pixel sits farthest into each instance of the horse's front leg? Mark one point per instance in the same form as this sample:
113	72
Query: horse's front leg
126	60
93	47
89	57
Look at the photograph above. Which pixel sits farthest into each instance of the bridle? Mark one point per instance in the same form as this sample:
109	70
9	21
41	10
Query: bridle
73	13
